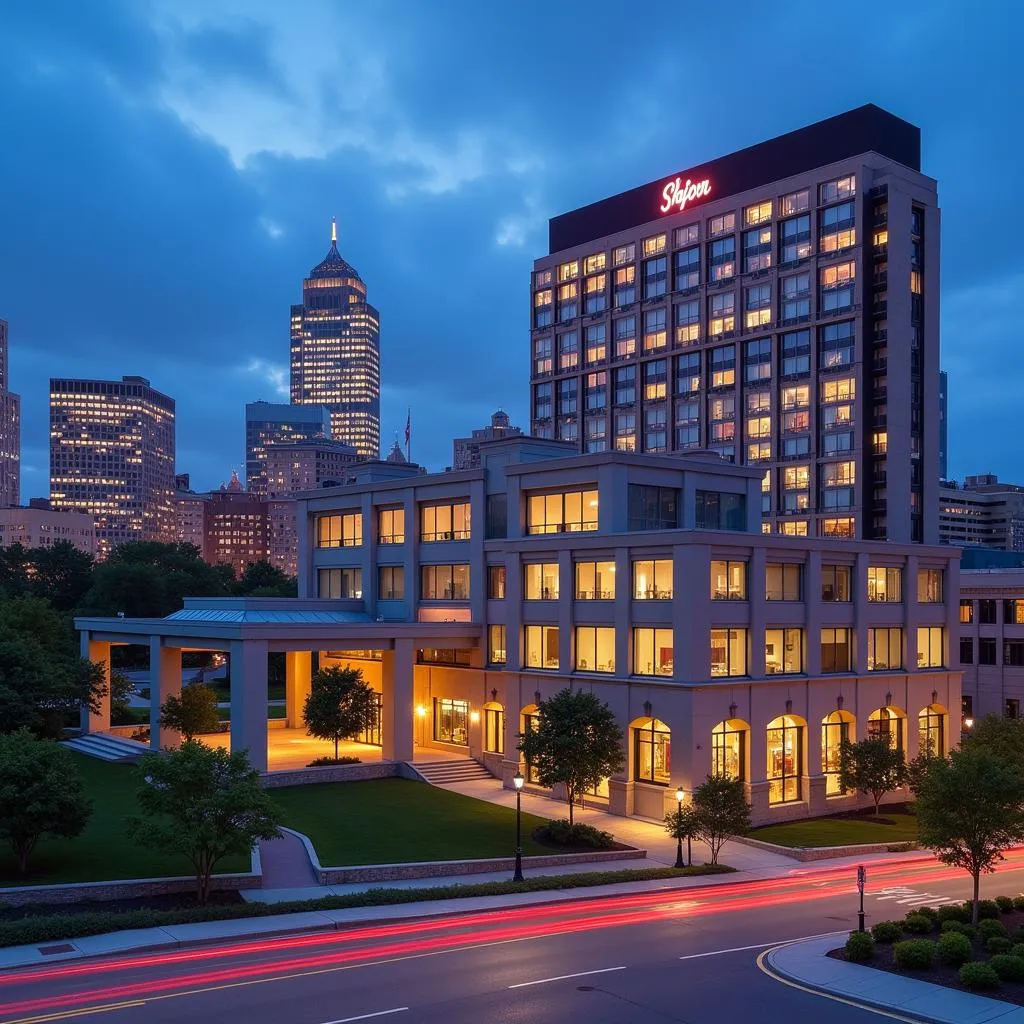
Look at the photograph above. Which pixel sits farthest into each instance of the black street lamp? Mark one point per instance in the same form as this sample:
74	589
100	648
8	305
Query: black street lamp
517	780
679	820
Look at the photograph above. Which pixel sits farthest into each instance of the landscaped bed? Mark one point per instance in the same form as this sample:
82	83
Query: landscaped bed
940	947
893	825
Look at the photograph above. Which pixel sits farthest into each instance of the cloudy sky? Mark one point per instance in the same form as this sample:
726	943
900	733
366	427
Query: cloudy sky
168	172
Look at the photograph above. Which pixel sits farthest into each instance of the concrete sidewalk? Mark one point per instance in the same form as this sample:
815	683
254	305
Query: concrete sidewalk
805	964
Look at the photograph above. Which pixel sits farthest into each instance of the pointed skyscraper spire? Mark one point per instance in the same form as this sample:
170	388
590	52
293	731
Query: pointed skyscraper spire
334	232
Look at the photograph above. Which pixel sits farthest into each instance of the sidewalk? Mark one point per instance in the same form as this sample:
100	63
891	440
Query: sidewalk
805	964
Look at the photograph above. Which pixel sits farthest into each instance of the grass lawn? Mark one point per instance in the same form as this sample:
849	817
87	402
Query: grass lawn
389	821
902	828
103	851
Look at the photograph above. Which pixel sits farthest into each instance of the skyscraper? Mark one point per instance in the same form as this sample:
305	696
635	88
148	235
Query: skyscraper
10	431
272	423
943	424
335	351
112	455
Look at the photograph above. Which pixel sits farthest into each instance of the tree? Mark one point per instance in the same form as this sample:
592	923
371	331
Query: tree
576	742
192	712
1003	737
121	689
261	579
871	766
721	811
61	574
41	793
340	705
969	810
682	824
204	803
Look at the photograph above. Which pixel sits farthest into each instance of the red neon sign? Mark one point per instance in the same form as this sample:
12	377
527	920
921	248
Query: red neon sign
675	195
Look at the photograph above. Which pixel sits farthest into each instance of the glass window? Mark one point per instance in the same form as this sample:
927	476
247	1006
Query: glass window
655	379
837	287
836	729
721	225
886	723
728	581
595	581
569	512
496	651
340	583
835	583
654	245
391	583
722	314
625	337
795	239
594	263
655	277
795	354
783	581
885	649
341	531
688	373
653	508
624	254
720	511
930	646
728	749
835	649
568	350
987	612
986	650
929	586
451	721
885	584
595	298
836	228
757	306
728	652
597	349
686	264
1013	611
625	385
595	648
686	235
783	651
652	743
543	401
496	582
838	188
796	298
445	522
624	291
494	729
391	526
652	580
966	650
785	759
687	322
758	213
931	725
541	646
836	346
652	651
568	302
540	581
542	310
757	361
795	202
444	582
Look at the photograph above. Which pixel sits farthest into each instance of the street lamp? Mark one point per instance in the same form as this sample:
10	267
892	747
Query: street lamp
517	780
680	795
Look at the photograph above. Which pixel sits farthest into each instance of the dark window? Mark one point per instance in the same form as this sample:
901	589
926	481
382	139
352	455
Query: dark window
1013	652
653	508
496	581
987	612
1011	707
443	656
966	650
987	650
391	583
718	511
967	705
497	516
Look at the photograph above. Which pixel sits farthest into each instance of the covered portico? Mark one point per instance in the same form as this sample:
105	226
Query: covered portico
250	629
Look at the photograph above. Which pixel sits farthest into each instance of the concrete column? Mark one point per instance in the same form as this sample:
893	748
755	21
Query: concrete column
98	652
397	691
164	682
249	700
298	666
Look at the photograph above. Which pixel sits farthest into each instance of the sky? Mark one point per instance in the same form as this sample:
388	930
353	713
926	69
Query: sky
168	172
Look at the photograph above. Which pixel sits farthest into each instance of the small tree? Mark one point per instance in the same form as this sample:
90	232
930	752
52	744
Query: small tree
682	824
340	705
871	766
576	742
721	811
1002	736
192	712
969	810
41	793
204	803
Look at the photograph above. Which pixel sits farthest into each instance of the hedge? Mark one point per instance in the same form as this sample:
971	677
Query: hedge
955	948
976	975
914	954
860	946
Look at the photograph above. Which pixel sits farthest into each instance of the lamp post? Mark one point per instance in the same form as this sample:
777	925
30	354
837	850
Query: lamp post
517	780
679	820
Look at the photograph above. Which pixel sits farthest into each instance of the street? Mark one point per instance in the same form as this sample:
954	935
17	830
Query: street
675	955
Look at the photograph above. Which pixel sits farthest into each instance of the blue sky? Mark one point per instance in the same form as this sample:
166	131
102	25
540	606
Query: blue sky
169	171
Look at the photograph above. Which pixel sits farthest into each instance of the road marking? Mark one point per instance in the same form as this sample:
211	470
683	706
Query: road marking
759	945
563	977
85	1011
367	1016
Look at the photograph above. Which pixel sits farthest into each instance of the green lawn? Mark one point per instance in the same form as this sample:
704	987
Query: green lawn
388	821
103	851
841	831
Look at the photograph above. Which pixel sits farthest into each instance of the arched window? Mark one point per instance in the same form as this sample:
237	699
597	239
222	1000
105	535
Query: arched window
529	720
494	728
887	723
931	724
729	749
785	737
836	729
652	751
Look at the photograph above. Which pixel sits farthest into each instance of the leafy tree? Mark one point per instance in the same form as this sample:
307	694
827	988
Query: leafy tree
192	712
721	811
14	571
576	742
204	803
61	574
41	793
682	824
1004	737
261	579
871	766
340	705
969	810
121	688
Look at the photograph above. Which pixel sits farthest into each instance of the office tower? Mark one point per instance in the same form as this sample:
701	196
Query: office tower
112	456
982	512
10	430
943	424
466	450
778	306
335	351
273	423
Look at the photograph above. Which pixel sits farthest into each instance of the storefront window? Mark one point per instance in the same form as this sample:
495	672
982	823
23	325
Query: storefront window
836	729
494	729
531	721
887	723
785	746
451	721
728	749
931	724
653	746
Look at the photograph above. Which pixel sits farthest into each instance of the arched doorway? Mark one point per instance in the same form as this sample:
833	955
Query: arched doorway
729	749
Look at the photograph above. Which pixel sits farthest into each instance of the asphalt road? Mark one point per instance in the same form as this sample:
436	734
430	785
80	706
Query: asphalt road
680	955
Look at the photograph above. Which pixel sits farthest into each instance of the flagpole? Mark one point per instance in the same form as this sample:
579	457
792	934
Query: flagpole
408	435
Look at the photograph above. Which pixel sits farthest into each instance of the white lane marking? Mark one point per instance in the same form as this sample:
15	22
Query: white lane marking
367	1016
563	977
759	945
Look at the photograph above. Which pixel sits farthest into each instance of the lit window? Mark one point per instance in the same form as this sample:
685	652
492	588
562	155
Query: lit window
885	649
835	649
929	586
540	581
654	245
541	646
391	526
785	740
652	651
728	652
595	648
569	271
652	580
595	581
783	651
340	531
930	642
885	584
728	749
569	512
758	213
721	225
594	263
783	581
836	729
445	522
624	254
728	581
652	744
444	582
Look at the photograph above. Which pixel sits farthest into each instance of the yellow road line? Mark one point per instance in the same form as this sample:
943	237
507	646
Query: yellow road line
67	1014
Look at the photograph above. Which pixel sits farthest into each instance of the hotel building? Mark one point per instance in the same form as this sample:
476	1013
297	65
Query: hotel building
335	352
779	306
10	430
275	423
112	457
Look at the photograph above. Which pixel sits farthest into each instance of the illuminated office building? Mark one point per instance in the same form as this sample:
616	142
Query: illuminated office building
335	352
278	423
112	456
10	431
778	306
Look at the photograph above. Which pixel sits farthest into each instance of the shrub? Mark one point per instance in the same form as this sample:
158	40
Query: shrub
1009	968
958	926
986	909
988	928
887	931
1018	902
930	912
1004	903
997	944
975	975
1018	950
860	947
955	913
561	833
955	948
321	762
1018	933
914	954
917	924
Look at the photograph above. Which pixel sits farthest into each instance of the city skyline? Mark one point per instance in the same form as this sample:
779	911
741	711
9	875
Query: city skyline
415	187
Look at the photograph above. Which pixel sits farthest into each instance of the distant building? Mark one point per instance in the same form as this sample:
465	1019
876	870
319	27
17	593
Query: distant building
982	512
466	450
112	457
275	423
237	527
10	431
189	513
37	525
943	424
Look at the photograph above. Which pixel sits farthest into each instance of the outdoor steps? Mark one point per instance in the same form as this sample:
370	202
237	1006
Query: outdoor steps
440	773
107	748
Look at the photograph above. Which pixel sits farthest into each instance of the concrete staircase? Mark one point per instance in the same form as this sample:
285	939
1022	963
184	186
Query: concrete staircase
107	748
441	773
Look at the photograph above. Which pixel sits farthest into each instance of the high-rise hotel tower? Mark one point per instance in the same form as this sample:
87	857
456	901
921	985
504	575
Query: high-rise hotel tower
335	351
778	306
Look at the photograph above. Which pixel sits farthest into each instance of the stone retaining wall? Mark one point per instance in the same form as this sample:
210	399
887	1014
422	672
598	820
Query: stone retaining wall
338	773
809	853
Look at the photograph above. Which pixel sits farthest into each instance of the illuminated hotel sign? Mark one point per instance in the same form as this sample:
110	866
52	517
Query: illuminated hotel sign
676	195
